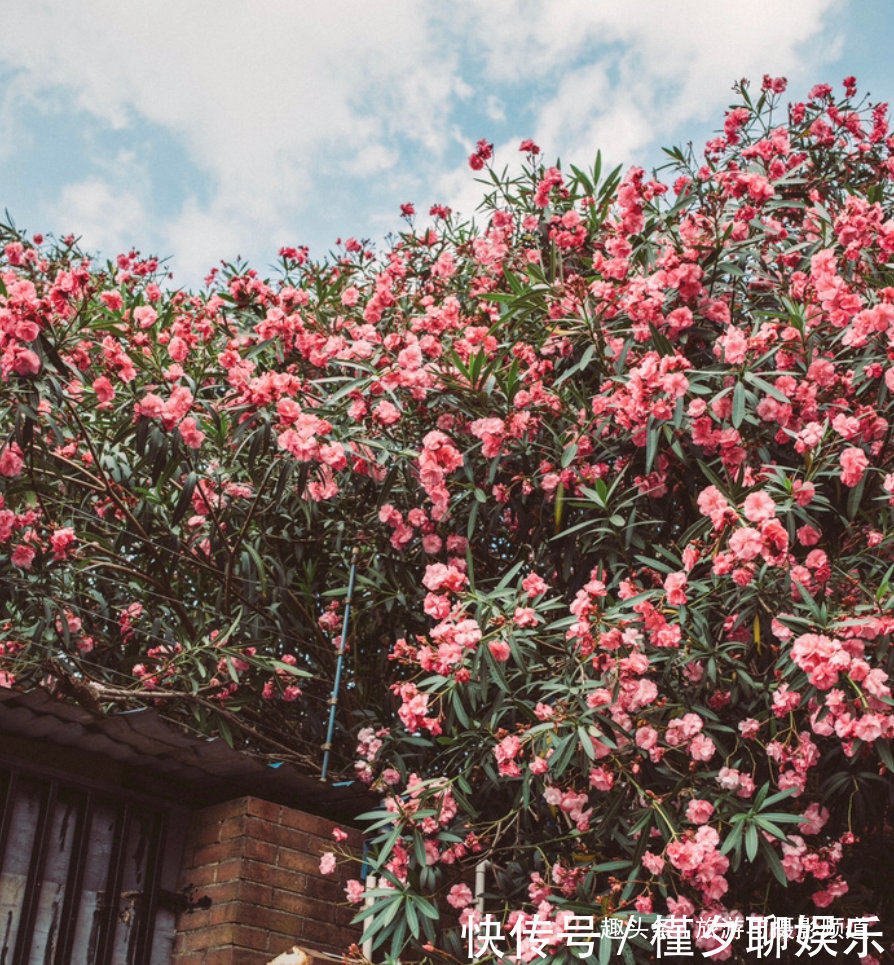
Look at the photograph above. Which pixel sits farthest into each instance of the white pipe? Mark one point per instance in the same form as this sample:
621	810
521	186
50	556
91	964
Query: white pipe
368	942
480	868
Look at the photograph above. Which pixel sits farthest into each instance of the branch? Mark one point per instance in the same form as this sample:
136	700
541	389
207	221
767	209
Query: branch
102	692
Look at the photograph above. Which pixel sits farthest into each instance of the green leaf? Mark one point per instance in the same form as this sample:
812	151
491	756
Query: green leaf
883	749
738	413
586	742
773	863
560	505
652	437
568	454
751	840
734	838
855	496
765	386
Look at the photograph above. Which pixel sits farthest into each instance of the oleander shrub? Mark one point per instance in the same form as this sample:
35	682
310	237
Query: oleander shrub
615	466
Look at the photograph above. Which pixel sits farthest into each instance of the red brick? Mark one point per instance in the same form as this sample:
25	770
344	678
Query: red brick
203	832
263	809
229	870
298	861
255	827
331	892
326	937
216	853
190	922
279	878
311	823
277	943
225	913
233	827
190	958
203	938
268	919
307	907
344	914
259	863
214	814
254	893
235	956
200	877
256	849
298	840
249	937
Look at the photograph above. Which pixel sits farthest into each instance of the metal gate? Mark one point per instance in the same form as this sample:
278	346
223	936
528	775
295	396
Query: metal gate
79	873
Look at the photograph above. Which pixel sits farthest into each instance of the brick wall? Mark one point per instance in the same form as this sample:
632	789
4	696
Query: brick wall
259	862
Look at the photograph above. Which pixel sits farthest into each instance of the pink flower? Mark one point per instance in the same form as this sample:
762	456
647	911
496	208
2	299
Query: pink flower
104	390
386	414
441	577
601	778
685	855
354	891
674	585
61	541
506	752
758	507
145	316
534	585
711	502
539	765
11	461
151	406
813	819
785	700
734	345
682	729
460	896
807	535
500	650
327	863
749	727
803	492
23	556
702	748
746	543
698	811
853	462
524	616
190	433
809	437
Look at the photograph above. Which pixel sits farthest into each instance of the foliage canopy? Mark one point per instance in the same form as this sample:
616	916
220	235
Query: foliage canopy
617	464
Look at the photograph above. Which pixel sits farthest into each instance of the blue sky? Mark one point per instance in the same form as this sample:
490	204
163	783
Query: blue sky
204	130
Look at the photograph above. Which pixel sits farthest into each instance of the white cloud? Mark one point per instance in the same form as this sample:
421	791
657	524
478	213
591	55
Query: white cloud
106	217
262	96
617	75
280	105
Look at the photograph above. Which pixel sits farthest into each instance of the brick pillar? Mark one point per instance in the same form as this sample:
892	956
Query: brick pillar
259	863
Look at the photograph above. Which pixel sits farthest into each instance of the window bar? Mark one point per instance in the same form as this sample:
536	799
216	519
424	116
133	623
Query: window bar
149	897
79	849
35	875
112	896
8	802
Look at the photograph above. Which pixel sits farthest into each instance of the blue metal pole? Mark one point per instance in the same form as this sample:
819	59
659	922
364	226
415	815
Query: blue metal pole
333	700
